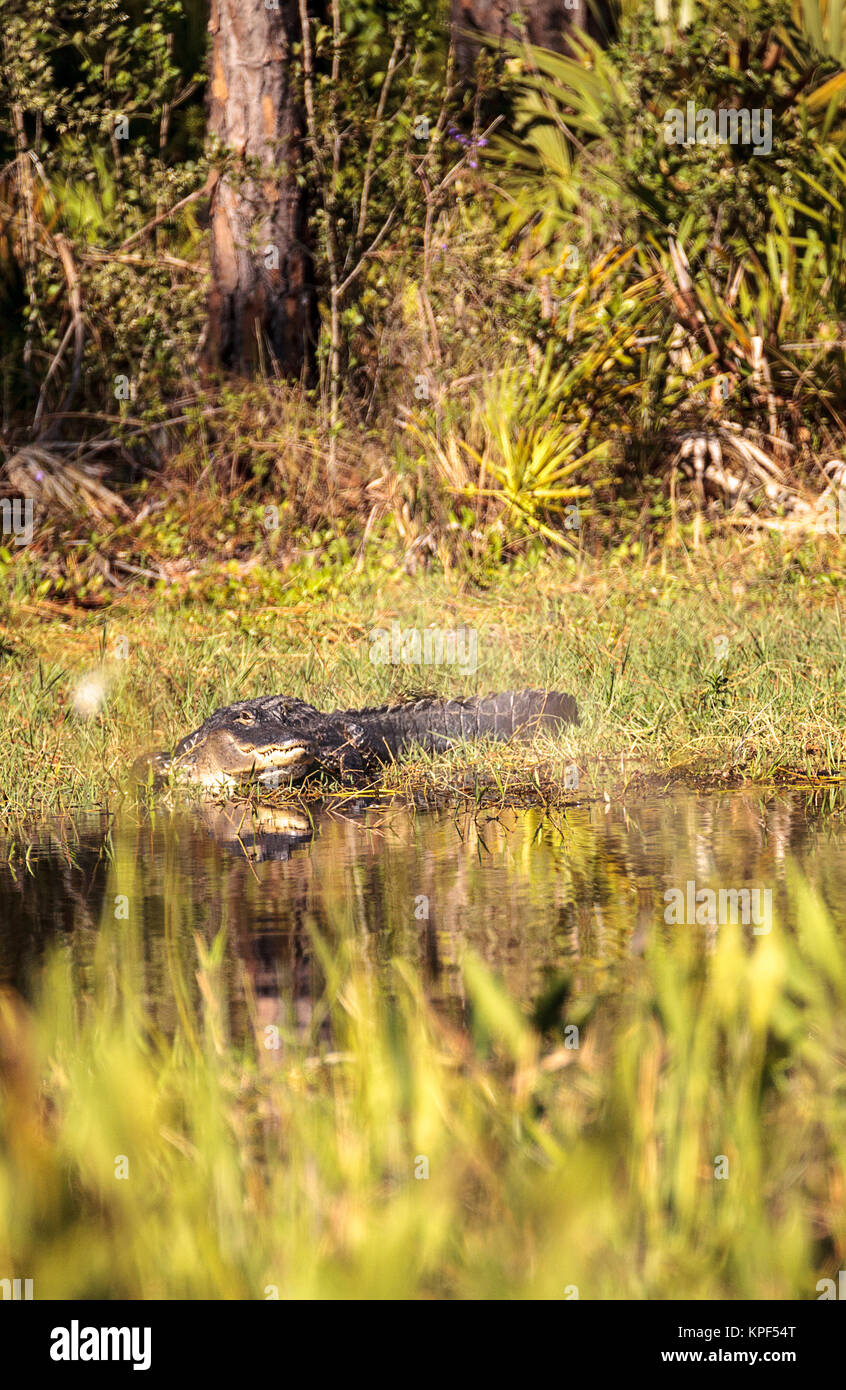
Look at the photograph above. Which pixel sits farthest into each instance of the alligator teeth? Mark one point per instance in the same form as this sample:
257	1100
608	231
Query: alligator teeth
277	763
277	755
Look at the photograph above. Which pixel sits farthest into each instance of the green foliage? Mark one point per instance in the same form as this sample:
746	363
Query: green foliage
538	442
666	288
747	246
376	98
104	137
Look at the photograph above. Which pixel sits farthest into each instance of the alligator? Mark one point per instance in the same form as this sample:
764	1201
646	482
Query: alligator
277	740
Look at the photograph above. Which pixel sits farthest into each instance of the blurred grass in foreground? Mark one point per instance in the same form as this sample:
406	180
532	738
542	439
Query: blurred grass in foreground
254	1170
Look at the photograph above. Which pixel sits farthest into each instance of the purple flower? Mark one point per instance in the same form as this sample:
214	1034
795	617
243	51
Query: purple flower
467	142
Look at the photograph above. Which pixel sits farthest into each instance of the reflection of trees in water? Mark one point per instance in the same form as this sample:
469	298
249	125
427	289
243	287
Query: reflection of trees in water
53	894
526	892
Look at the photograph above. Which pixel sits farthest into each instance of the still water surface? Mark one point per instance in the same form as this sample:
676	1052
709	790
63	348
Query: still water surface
534	895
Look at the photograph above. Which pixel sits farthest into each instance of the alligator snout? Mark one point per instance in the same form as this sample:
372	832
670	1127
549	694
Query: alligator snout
151	768
222	758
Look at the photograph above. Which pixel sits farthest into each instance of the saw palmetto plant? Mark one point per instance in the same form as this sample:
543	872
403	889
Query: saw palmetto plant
544	433
535	461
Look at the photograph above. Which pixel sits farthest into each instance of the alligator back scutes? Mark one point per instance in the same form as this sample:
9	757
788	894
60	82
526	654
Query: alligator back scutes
434	723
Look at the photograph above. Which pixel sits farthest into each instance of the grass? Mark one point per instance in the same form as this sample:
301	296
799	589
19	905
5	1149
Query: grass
693	1145
723	660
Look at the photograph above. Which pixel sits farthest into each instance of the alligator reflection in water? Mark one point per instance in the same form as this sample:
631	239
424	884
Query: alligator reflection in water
529	893
259	832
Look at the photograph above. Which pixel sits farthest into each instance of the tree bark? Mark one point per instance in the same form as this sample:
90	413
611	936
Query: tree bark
262	296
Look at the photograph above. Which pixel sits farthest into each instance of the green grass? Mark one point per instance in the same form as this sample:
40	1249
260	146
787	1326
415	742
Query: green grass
407	1158
721	661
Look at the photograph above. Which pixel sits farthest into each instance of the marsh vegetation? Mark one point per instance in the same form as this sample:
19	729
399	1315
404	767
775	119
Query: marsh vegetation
508	352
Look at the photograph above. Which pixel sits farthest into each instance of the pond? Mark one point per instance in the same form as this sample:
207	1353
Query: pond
575	893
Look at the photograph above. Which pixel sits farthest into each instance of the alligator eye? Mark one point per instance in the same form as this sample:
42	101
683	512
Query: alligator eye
245	718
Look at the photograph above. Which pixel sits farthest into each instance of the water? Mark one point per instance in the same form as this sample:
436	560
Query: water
537	896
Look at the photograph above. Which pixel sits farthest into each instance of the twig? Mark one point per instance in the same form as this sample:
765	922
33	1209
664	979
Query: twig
374	135
59	354
77	324
207	188
160	259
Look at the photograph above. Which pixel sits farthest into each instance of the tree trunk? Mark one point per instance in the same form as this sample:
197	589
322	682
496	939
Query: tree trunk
545	23
262	296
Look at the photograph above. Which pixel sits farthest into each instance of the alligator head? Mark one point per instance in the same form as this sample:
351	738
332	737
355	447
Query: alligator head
271	741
